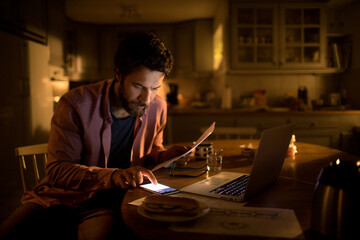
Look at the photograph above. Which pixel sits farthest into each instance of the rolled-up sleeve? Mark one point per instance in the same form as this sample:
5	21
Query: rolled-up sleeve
67	166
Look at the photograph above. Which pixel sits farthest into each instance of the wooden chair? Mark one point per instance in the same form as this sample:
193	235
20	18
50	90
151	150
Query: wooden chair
32	161
232	132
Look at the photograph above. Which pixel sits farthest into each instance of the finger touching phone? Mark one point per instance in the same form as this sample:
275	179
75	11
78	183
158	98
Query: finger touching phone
159	188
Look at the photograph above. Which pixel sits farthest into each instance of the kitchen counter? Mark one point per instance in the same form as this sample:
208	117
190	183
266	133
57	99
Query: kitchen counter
331	128
237	111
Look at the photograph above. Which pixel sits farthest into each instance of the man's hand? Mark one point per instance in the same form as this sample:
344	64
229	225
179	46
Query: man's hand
132	177
172	152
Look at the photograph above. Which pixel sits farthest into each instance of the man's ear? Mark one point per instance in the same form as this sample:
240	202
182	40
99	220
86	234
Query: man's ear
117	75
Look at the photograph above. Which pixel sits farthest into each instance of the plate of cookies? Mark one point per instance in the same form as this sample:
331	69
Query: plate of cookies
172	209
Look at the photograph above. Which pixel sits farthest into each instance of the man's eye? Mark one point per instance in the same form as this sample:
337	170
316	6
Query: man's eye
137	86
155	89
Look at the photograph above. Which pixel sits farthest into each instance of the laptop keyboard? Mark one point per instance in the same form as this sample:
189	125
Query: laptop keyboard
234	188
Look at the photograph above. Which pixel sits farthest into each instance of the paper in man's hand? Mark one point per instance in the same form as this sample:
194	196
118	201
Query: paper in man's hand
200	140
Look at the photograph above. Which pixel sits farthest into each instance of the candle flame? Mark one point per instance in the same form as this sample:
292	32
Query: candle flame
337	161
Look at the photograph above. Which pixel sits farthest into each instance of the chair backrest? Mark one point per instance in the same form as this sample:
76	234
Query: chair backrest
233	132
32	160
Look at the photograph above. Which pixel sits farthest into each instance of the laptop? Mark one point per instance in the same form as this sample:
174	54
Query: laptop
266	168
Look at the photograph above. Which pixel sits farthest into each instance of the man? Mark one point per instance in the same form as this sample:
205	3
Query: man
101	136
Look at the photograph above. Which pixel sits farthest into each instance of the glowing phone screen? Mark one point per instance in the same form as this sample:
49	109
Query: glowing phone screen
159	188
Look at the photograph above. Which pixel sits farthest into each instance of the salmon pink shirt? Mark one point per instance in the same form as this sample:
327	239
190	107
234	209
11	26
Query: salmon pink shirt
79	145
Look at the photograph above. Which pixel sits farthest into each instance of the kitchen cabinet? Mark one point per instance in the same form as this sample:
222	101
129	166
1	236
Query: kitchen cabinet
8	13
193	48
317	129
90	48
56	33
25	18
186	128
83	52
275	36
193	124
339	51
108	43
33	18
332	129
39	21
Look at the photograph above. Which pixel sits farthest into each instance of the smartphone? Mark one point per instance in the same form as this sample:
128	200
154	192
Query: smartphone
159	188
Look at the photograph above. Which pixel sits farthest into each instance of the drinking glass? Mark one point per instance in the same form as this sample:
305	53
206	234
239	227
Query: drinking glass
214	159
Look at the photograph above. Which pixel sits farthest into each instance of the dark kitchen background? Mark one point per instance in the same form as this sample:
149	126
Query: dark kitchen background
239	63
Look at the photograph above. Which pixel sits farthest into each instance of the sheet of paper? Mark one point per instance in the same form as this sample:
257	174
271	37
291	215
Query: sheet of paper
209	201
245	221
137	202
200	140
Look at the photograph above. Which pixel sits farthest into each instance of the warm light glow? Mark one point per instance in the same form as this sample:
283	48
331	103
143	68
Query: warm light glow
292	148
218	47
56	98
295	149
337	162
154	187
40	96
79	64
59	88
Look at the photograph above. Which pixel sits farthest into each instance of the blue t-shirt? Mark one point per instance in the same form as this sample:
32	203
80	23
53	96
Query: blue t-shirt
122	131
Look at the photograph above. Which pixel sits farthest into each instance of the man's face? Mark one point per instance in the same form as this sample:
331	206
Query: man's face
138	89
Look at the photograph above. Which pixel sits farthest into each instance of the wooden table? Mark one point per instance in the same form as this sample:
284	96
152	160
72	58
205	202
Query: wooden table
293	190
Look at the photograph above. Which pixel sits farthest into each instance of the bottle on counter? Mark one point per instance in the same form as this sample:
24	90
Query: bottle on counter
226	98
302	98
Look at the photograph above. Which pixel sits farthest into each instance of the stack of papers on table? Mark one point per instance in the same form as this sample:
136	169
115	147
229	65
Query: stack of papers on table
245	221
232	218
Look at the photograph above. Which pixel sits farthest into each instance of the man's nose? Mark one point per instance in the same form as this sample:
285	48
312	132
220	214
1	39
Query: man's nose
145	96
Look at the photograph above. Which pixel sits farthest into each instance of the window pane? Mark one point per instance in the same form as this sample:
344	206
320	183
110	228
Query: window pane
312	35
311	54
264	16
246	54
293	16
312	16
264	54
293	54
246	35
264	35
245	16
293	35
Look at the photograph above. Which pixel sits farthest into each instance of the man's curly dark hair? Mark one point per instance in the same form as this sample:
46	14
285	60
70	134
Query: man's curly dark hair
142	49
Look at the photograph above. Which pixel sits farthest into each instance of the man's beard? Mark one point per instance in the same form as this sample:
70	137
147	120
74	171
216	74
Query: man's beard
132	107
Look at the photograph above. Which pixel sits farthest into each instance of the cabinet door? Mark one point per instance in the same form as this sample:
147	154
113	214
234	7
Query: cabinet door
193	48
108	42
254	35
317	129
25	19
302	38
184	52
32	19
56	36
187	128
85	64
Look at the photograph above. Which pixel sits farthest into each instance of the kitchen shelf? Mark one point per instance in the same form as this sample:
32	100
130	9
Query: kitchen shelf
277	36
285	71
339	51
